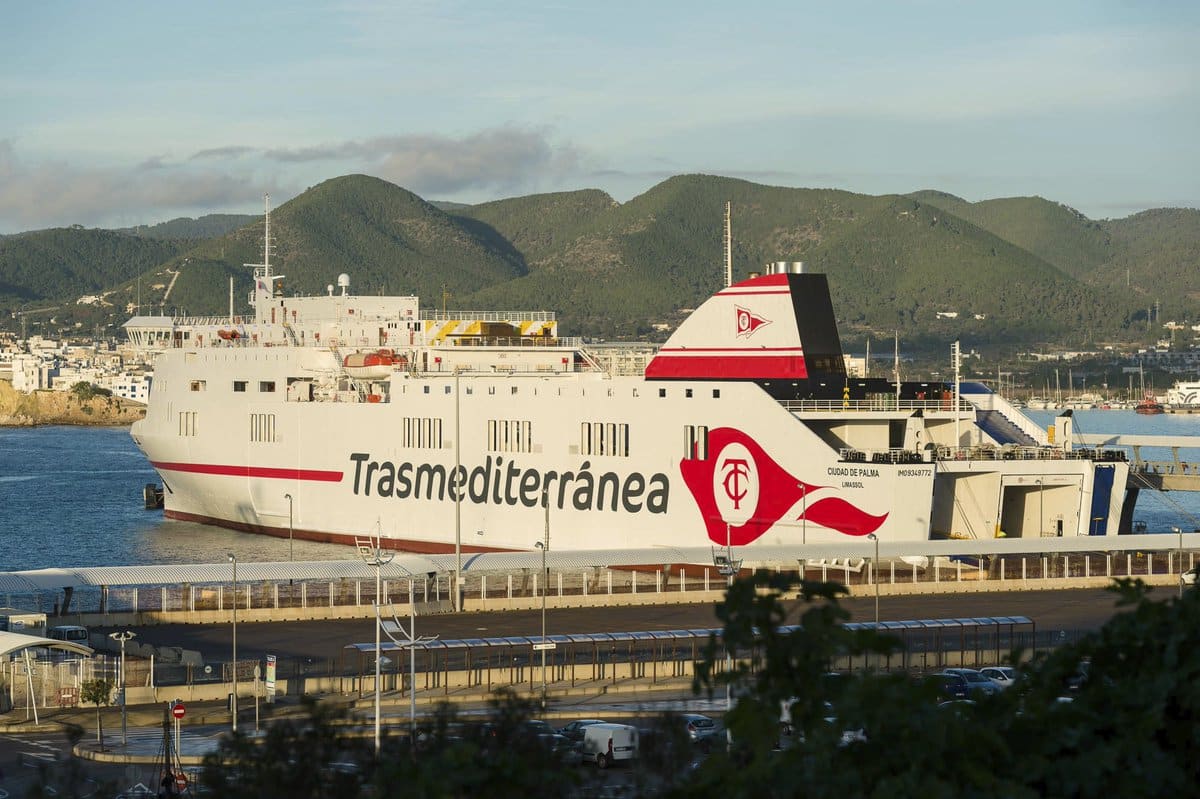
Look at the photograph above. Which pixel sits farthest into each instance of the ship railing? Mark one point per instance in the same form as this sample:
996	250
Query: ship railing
895	455
556	342
984	452
488	316
1011	452
878	403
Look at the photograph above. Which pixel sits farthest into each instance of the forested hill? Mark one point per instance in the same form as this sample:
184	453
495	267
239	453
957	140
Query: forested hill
1016	272
205	227
62	263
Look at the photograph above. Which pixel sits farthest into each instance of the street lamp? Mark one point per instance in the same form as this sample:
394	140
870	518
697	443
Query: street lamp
373	554
1041	507
875	576
233	702
291	540
123	637
458	489
1179	531
544	546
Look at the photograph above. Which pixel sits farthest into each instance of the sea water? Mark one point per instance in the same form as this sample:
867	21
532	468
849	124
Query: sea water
72	496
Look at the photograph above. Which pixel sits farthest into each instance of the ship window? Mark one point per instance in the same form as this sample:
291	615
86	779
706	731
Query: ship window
687	392
198	385
603	438
514	389
426	389
695	442
239	386
662	392
187	423
507	435
716	393
266	386
447	391
262	427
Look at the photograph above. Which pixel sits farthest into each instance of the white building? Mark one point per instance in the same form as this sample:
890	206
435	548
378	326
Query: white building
30	373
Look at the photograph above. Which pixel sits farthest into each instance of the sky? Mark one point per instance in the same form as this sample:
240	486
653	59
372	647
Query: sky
121	113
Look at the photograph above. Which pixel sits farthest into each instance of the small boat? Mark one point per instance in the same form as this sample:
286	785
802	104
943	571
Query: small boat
1149	405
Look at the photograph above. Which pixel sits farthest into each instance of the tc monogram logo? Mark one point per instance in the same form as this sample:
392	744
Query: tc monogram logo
736	469
735	484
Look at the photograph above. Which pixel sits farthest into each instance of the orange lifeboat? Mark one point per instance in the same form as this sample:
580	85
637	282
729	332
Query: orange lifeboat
373	365
227	335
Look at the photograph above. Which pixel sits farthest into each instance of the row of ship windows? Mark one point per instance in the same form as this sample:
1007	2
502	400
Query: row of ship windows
503	435
268	386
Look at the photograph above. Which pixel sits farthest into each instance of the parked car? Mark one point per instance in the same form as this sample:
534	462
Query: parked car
699	727
977	683
1003	676
951	686
1189	576
563	749
574	730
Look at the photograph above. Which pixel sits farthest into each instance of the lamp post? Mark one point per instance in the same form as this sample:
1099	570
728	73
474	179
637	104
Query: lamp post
875	576
1179	531
373	554
123	637
458	488
1041	507
291	541
544	545
803	514
233	703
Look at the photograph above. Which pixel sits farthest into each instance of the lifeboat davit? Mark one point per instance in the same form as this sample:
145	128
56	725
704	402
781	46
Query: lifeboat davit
373	365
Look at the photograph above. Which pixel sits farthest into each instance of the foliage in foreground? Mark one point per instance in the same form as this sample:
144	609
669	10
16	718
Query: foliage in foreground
1129	729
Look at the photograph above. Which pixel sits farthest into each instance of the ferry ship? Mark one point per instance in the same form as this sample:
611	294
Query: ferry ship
336	416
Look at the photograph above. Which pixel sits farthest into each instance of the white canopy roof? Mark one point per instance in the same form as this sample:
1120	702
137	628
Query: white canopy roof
15	642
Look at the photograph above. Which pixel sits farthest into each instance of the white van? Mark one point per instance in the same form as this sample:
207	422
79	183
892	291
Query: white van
69	632
606	744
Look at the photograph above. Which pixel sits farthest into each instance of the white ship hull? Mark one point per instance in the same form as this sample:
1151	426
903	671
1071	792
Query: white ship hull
743	430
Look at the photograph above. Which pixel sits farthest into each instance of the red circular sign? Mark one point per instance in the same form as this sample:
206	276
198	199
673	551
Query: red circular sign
181	782
178	710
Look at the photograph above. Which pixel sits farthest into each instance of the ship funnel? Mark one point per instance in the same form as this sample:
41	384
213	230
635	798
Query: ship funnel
785	267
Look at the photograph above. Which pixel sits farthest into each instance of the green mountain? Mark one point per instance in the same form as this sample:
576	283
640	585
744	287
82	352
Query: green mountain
61	264
1007	274
205	227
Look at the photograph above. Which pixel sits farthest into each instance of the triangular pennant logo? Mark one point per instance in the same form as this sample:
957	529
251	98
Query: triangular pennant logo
748	322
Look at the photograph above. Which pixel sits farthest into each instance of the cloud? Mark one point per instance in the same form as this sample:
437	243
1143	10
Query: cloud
483	165
498	159
222	153
58	193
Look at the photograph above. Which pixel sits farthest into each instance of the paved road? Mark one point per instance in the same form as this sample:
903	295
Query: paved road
325	640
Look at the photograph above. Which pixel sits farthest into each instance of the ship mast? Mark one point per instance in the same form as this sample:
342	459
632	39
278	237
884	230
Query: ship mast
264	281
728	246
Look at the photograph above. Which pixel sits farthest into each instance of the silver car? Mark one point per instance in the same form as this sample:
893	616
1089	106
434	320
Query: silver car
1003	676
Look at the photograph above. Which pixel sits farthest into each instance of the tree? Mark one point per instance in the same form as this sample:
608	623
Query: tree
1128	729
99	693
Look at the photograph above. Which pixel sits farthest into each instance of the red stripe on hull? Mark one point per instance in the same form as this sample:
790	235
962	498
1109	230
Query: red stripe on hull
342	539
729	367
224	470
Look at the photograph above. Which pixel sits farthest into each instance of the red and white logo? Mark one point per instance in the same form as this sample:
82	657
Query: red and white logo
742	492
748	322
735	484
